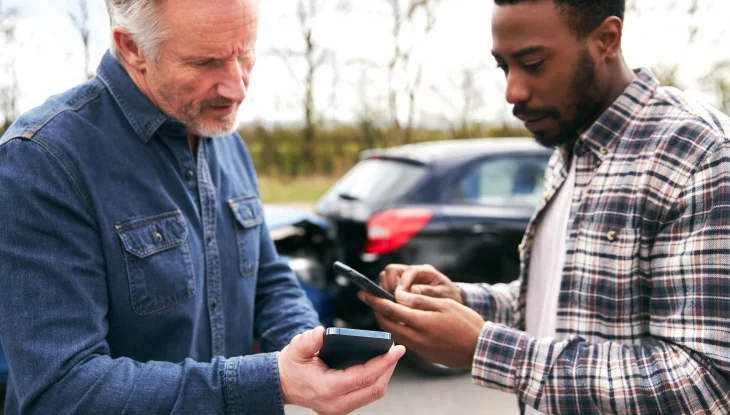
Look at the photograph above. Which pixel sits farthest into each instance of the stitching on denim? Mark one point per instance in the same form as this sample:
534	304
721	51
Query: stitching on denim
137	223
234	402
275	374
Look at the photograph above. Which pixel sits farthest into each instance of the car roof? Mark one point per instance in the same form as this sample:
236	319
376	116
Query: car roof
434	151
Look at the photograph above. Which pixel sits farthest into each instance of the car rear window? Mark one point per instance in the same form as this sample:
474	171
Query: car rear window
508	181
375	181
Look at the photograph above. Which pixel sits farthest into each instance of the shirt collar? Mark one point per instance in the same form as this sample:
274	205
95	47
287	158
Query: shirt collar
602	135
141	113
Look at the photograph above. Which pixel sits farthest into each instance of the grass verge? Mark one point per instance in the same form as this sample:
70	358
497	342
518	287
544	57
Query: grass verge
297	189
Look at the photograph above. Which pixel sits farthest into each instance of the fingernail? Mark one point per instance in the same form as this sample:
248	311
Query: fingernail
360	295
402	295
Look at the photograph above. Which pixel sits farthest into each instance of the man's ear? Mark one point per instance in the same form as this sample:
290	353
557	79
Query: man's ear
128	48
607	38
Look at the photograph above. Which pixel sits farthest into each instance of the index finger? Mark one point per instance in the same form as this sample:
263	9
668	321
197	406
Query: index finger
416	274
390	276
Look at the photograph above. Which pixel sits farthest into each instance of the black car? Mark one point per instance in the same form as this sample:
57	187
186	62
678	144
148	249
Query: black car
459	205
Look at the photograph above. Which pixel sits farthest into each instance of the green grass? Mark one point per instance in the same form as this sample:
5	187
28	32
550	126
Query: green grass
298	189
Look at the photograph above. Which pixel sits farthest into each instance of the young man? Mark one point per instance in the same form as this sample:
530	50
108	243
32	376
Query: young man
135	263
623	300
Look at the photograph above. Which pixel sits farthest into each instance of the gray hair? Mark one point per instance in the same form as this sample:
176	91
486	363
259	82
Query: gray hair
142	19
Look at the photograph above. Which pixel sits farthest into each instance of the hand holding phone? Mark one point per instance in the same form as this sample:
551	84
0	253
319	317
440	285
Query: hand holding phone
363	282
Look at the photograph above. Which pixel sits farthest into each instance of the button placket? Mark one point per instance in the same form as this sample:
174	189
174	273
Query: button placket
207	194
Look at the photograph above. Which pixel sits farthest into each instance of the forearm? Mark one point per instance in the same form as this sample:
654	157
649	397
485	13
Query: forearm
99	384
573	376
497	303
282	308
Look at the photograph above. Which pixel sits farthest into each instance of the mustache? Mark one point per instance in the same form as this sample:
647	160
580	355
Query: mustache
526	112
216	102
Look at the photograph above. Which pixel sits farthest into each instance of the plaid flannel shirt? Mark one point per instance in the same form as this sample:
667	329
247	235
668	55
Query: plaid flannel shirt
643	321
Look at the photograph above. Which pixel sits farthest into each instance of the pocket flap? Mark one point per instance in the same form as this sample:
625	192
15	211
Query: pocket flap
146	236
247	210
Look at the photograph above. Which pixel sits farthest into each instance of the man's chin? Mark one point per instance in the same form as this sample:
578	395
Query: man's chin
213	129
552	140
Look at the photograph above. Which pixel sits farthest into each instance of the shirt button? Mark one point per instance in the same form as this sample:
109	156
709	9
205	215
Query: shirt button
158	237
190	175
546	195
209	238
611	236
214	302
519	248
604	150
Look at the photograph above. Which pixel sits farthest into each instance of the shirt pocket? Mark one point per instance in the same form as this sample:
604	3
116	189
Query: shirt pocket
248	214
606	265
159	266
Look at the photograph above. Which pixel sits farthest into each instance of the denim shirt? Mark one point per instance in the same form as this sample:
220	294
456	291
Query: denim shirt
134	277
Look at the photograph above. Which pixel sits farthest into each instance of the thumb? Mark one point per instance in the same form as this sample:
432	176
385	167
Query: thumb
428	290
419	302
307	344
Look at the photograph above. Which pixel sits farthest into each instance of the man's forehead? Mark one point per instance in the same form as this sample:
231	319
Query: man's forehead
215	28
527	23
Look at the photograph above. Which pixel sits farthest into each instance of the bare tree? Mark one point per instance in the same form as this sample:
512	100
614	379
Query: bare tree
80	19
459	110
405	14
367	114
8	74
315	57
694	16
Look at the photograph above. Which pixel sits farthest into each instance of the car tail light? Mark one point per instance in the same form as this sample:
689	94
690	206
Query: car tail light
391	229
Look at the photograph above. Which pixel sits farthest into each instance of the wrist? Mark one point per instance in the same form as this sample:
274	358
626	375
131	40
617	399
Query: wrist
283	380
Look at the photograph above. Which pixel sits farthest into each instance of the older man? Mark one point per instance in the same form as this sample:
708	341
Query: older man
135	264
623	301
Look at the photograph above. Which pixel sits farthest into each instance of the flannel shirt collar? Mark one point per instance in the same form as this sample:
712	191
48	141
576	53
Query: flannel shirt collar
603	134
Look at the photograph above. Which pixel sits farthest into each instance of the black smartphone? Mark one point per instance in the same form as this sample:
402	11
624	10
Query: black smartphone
361	281
343	348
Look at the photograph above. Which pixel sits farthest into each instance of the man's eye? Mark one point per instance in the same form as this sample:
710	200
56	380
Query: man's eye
503	67
533	67
206	62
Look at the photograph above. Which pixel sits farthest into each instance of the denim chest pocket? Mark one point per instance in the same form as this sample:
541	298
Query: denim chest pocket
248	214
159	266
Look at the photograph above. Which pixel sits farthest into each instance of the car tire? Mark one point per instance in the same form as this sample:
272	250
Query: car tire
420	364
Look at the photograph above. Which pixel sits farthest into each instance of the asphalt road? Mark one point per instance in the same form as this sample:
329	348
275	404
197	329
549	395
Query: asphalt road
410	392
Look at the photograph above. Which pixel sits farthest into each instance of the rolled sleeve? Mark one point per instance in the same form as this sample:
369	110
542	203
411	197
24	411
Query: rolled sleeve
497	303
497	357
252	385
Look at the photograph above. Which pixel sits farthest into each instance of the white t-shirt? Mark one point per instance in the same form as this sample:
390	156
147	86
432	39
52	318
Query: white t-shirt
546	265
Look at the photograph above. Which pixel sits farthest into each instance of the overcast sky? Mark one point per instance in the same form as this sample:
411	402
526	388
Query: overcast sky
49	58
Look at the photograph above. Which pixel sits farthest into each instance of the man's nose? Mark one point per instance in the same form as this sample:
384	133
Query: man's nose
517	89
232	85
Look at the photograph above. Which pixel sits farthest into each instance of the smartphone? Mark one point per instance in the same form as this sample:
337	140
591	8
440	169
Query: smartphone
343	348
361	281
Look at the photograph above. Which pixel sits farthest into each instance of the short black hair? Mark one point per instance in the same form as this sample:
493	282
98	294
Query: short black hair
583	15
